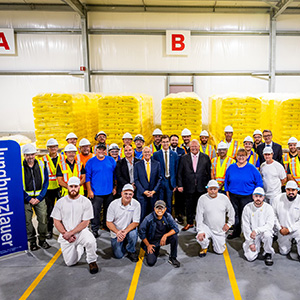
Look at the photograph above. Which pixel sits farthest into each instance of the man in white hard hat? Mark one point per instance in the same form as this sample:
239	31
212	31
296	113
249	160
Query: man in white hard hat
123	218
257	136
186	137
273	175
213	209
72	139
53	193
252	157
205	147
100	138
288	156
232	145
139	145
156	145
294	167
72	215
114	151
69	167
127	140
35	184
257	225
287	218
220	164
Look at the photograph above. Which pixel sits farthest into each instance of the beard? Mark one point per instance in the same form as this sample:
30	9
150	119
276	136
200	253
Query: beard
73	194
291	197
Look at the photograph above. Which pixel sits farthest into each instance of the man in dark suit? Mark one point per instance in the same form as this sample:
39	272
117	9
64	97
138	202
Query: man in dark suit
168	160
174	140
194	172
277	149
124	170
147	180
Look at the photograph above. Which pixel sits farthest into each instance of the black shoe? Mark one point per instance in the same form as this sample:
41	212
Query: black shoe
49	235
34	246
93	268
133	257
298	257
95	233
44	245
179	220
174	262
268	259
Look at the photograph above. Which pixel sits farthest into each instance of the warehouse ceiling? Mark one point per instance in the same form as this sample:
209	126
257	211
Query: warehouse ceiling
220	6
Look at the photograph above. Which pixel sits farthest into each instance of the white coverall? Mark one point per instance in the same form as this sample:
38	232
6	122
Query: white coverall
287	214
210	219
72	212
260	220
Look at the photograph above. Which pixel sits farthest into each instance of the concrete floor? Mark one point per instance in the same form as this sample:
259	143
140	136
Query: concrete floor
197	278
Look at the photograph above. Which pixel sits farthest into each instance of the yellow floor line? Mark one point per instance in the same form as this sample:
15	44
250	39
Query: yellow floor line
234	285
40	276
136	275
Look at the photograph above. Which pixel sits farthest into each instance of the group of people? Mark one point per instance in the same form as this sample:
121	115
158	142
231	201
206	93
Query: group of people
230	187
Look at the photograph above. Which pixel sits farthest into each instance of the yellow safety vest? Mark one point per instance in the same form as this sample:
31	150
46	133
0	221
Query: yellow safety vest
184	148
220	171
153	148
121	152
253	159
53	184
233	148
295	169
67	173
208	151
37	192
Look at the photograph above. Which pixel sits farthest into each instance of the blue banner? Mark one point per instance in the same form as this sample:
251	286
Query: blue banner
13	237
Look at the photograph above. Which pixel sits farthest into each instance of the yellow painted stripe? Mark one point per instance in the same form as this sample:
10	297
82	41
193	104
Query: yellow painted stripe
40	276
234	285
136	275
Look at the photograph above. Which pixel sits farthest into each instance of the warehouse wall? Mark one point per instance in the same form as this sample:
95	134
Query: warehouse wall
140	52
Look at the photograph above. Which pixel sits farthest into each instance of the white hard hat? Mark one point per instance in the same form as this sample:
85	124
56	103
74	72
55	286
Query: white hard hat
127	135
70	147
157	131
248	139
186	132
257	131
228	129
28	149
74	181
291	184
84	142
204	133
292	140
212	183
139	137
71	135
114	146
128	187
222	145
52	142
268	150
298	145
259	191
101	132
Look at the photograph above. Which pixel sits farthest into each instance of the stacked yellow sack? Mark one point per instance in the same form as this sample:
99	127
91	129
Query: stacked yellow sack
244	113
56	115
179	111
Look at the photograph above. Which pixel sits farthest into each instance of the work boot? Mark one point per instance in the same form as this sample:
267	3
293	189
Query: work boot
34	246
203	252
93	268
133	257
268	259
44	245
174	262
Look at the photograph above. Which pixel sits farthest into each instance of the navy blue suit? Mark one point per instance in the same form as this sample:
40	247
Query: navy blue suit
167	184
142	184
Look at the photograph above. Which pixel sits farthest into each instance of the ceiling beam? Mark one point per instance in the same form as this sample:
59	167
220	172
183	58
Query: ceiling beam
281	6
76	6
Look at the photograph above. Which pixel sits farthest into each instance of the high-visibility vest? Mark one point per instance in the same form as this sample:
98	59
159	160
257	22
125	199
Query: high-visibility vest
233	148
53	184
220	171
286	158
184	148
67	173
253	159
295	169
208	151
153	148
37	192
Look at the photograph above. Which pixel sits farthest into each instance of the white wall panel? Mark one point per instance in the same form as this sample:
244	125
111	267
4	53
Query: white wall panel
288	84
287	53
288	22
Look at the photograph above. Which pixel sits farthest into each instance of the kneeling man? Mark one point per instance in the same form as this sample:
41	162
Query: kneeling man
123	217
72	214
257	225
211	223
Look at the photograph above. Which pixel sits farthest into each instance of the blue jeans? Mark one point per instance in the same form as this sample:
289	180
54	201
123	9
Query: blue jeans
128	244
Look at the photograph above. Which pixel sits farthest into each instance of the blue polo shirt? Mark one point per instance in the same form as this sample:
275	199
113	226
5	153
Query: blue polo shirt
100	173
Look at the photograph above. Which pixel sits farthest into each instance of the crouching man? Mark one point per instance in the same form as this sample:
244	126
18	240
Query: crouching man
123	217
257	225
212	209
159	229
71	215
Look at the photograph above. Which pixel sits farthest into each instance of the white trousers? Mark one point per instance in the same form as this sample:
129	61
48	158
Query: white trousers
218	241
285	242
72	252
266	238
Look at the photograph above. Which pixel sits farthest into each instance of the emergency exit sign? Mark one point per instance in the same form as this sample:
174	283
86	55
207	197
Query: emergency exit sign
7	41
178	42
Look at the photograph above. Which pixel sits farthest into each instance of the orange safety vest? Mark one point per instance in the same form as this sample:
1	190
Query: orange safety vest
295	169
208	151
233	148
253	159
184	148
220	171
53	184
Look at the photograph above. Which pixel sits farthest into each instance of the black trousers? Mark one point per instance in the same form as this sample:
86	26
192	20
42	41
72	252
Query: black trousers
238	202
50	198
191	201
179	204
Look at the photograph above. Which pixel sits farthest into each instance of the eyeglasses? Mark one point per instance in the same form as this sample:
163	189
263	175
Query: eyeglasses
268	135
